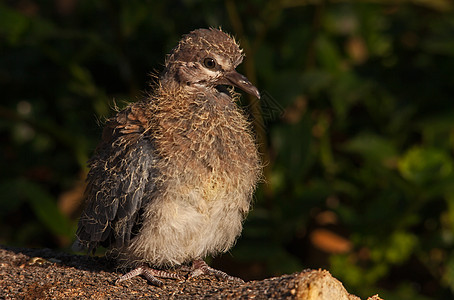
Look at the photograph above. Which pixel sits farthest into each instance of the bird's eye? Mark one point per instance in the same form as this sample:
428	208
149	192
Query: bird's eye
209	63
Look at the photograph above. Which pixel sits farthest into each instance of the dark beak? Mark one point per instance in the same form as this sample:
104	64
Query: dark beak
240	81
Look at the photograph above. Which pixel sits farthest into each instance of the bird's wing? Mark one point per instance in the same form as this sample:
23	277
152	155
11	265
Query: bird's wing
119	183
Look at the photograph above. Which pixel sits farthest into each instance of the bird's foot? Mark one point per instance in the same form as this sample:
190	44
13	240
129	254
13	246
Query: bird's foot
150	274
200	267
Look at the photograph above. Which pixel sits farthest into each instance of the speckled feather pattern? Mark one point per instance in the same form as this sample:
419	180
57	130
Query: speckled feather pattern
174	175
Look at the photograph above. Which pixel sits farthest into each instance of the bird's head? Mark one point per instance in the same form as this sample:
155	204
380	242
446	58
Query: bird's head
207	58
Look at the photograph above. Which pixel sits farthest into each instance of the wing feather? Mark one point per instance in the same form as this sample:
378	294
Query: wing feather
119	184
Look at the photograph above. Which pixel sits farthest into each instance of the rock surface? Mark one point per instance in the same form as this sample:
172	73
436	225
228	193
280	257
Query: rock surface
47	274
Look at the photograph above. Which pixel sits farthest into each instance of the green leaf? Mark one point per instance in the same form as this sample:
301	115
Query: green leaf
12	24
424	165
328	54
371	147
45	208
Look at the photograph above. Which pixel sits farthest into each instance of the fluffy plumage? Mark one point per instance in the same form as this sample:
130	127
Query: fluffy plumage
174	174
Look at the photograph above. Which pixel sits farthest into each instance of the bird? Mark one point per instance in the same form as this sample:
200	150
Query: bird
173	177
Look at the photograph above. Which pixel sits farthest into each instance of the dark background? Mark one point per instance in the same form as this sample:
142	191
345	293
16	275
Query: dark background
356	126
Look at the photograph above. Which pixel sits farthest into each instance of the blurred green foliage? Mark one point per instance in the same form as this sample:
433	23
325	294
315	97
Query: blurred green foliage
356	126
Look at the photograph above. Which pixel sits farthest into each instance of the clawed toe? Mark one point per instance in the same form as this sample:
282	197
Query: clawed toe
200	267
150	274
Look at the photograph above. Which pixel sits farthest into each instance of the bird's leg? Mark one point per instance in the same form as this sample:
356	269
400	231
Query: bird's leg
200	267
150	274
